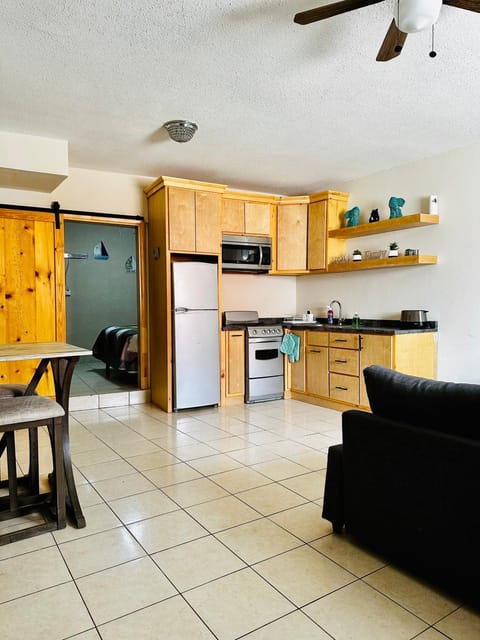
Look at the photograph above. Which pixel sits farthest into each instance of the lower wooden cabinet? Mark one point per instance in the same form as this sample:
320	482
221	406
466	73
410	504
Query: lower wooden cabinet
331	364
234	366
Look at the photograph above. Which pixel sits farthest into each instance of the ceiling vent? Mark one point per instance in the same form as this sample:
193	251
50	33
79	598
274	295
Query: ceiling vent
180	130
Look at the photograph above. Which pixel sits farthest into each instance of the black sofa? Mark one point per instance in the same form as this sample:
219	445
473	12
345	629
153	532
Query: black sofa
405	481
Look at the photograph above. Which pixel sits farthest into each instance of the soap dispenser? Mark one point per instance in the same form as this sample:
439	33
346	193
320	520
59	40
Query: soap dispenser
329	315
309	317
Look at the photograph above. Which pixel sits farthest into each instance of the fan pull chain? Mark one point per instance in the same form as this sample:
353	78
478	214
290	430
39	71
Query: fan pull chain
433	53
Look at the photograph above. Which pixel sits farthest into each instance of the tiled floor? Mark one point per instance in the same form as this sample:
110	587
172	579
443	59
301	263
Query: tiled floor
89	377
206	525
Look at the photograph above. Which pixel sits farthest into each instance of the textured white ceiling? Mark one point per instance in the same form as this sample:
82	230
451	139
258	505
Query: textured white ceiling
280	107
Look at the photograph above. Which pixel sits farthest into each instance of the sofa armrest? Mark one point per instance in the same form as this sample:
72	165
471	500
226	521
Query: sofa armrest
333	494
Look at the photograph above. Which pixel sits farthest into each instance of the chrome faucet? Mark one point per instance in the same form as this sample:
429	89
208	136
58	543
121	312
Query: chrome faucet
340	317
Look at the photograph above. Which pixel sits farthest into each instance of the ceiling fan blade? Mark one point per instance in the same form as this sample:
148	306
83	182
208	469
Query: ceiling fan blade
469	5
330	10
392	44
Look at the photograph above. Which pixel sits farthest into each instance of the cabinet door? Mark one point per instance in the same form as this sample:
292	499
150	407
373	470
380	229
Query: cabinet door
257	218
207	224
317	235
317	371
233	216
344	388
373	350
32	288
181	219
297	369
235	363
292	237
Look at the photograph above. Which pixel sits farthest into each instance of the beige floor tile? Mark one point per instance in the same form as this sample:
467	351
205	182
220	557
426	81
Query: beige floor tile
294	626
193	492
126	448
222	513
431	634
238	603
241	479
215	464
171	474
303	575
171	619
258	540
304	521
270	498
165	531
208	559
123	486
142	505
230	443
358	612
44	621
106	470
463	624
88	635
423	600
100	551
152	460
101	453
349	555
313	461
174	440
99	517
123	589
253	455
194	451
40	569
310	486
279	469
263	437
88	496
26	546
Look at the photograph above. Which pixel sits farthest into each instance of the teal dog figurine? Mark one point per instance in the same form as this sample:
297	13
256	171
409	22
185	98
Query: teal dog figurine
395	205
352	216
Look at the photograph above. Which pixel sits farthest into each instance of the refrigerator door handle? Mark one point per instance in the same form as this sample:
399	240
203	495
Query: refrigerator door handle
181	309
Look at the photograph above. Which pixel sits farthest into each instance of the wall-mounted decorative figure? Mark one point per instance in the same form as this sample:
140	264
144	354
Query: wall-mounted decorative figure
374	216
395	205
352	216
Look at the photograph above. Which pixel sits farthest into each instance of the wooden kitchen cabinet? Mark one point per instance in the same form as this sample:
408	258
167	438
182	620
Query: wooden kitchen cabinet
235	363
317	364
193	221
375	350
303	244
244	216
298	368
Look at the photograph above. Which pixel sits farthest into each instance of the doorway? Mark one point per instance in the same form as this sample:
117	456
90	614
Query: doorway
104	305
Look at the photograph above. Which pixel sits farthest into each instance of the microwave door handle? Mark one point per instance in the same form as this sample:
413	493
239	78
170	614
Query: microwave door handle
261	255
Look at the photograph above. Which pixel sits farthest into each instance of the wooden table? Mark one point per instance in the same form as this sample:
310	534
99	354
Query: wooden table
62	358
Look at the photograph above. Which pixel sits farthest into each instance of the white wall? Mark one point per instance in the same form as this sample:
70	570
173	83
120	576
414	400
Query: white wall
271	296
450	291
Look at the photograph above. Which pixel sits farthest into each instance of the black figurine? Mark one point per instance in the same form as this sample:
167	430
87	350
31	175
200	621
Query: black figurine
374	216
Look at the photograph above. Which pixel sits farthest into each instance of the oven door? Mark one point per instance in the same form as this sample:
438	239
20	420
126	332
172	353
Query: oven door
264	358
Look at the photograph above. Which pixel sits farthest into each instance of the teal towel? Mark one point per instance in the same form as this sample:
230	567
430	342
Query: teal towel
291	346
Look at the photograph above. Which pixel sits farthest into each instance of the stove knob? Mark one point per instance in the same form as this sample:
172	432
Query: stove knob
264	331
254	332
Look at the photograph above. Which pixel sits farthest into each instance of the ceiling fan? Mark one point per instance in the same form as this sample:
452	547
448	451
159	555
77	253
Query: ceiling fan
410	16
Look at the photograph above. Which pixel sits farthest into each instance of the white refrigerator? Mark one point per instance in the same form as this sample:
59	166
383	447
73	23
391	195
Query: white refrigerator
196	351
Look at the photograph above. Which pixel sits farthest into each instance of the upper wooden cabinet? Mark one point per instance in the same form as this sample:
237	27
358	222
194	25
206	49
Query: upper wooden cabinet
249	214
186	213
303	243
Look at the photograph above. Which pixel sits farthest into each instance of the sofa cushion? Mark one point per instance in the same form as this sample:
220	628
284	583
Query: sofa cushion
450	407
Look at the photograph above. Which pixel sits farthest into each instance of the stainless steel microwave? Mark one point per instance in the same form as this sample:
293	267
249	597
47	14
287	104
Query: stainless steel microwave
247	254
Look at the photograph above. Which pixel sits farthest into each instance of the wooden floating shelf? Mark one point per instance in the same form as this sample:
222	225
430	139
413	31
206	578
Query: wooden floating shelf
382	263
385	226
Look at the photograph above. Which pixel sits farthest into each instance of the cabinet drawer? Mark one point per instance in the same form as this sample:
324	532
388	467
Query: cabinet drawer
344	340
345	388
317	338
343	361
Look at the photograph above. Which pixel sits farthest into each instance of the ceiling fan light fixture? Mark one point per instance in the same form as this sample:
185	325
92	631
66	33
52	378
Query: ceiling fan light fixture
181	130
416	15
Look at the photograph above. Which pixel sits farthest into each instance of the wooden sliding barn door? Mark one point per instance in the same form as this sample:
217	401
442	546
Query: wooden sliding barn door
32	287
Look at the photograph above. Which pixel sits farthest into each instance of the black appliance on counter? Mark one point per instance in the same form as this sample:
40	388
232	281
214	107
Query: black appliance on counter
263	358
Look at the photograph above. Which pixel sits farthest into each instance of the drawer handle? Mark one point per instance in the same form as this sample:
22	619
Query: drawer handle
342	388
340	340
237	335
316	351
342	361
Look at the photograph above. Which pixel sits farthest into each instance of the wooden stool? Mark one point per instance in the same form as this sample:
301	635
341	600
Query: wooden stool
32	412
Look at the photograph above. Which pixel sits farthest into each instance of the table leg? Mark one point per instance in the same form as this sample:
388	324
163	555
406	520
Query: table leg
62	369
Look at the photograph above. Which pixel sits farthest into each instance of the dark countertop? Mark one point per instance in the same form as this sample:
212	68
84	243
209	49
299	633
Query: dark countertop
379	327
